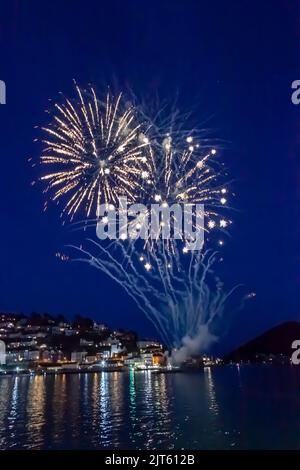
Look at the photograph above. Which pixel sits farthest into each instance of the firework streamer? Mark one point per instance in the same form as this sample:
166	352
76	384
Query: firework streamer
183	298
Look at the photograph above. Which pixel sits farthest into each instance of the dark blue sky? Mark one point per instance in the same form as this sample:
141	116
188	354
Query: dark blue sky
235	60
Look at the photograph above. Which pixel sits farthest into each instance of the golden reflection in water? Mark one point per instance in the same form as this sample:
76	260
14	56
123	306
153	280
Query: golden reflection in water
5	397
73	415
117	404
210	387
148	409
59	402
35	410
116	392
162	400
95	392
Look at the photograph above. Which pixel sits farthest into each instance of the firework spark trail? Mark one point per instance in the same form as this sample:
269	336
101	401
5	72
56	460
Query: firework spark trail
178	306
125	274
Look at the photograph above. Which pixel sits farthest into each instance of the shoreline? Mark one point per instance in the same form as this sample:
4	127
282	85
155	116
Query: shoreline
187	370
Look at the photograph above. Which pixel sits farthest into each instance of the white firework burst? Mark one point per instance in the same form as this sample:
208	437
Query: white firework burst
97	151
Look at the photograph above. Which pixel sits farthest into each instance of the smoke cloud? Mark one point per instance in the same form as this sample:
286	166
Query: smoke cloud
193	345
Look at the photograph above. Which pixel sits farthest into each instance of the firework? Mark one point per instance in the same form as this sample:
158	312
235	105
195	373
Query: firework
96	151
182	178
185	174
101	150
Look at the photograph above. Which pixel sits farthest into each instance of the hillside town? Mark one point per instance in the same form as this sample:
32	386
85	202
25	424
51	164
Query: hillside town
47	343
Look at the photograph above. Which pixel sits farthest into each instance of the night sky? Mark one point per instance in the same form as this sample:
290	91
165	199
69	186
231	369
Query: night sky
233	62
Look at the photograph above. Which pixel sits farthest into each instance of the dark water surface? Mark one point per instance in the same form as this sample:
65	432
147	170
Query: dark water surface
230	407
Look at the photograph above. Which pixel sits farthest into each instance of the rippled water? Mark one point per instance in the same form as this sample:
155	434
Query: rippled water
226	407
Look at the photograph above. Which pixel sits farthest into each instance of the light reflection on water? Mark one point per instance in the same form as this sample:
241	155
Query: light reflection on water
253	407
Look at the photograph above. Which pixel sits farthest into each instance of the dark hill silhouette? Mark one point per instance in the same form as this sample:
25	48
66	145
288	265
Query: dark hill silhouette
277	340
